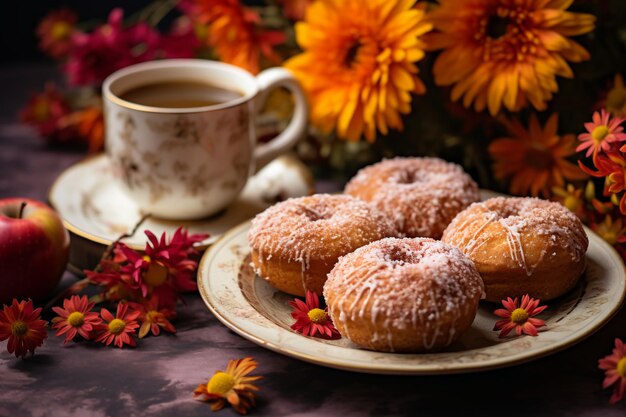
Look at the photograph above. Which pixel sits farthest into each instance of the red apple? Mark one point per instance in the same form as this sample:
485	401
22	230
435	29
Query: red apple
34	248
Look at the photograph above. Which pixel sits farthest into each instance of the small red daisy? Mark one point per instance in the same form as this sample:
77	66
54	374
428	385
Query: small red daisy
311	320
520	317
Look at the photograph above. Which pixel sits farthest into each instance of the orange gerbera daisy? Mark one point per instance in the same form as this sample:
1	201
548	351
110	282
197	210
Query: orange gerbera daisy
235	34
535	158
75	318
22	325
232	386
89	125
358	64
119	329
505	52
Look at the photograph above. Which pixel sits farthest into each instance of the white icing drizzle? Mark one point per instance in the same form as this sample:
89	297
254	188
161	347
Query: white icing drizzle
522	221
316	228
422	195
413	287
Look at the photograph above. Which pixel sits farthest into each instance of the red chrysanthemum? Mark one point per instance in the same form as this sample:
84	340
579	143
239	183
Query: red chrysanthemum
119	330
153	317
22	325
55	33
311	320
519	317
110	47
614	366
613	167
44	110
75	318
166	268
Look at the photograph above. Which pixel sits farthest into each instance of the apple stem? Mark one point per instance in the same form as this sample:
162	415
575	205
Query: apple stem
21	212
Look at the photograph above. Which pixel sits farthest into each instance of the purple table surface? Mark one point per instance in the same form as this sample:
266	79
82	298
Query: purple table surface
157	378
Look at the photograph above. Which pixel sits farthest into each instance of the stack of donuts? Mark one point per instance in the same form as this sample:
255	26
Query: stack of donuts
404	256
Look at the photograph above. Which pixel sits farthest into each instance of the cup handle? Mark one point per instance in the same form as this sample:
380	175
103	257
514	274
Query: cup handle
268	80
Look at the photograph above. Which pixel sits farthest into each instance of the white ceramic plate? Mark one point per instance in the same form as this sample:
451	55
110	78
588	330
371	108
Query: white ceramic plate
95	208
253	309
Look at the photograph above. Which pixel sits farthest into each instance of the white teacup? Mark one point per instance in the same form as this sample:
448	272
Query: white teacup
188	163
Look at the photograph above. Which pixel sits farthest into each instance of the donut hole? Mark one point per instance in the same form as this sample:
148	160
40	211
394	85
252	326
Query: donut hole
409	177
505	211
314	214
399	256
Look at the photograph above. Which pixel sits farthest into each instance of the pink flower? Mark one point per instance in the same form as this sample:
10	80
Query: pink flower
180	42
110	47
601	133
614	367
311	319
519	318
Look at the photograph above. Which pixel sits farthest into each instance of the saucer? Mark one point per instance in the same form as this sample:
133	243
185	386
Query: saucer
97	212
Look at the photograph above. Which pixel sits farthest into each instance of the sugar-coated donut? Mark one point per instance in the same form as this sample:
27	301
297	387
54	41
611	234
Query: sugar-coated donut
521	246
297	242
403	295
422	195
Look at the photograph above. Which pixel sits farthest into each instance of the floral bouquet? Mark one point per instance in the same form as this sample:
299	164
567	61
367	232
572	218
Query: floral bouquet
504	87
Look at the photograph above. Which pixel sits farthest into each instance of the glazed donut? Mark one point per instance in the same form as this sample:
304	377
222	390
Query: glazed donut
297	242
521	246
403	295
422	195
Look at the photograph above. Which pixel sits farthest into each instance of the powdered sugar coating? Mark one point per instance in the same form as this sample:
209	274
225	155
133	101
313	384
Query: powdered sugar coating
414	289
317	228
422	195
535	230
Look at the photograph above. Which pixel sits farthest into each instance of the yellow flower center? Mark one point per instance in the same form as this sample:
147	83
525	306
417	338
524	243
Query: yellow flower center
76	319
571	202
152	316
621	367
61	30
220	383
156	274
616	99
610	236
599	133
519	316
19	328
117	326
41	111
317	315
